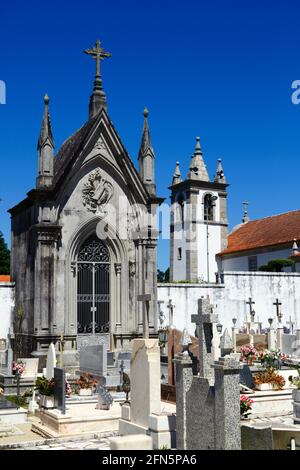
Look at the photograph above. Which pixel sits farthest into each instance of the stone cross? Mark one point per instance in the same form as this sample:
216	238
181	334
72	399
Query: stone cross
171	307
98	53
250	303
205	319
291	323
278	313
145	298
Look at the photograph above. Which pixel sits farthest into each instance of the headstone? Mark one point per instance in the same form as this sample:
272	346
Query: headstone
60	389
110	359
287	344
104	399
145	377
255	438
226	343
51	362
93	359
246	376
31	367
124	358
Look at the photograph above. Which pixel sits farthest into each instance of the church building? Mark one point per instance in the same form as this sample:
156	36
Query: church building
83	240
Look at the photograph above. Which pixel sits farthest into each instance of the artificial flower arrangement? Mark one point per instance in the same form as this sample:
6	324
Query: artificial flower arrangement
245	406
18	367
86	380
45	386
68	389
248	353
269	377
271	357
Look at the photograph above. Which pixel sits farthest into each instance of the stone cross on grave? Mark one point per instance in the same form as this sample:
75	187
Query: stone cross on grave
205	320
250	303
145	298
171	307
278	310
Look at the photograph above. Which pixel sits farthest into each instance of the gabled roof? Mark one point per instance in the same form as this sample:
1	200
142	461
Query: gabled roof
276	230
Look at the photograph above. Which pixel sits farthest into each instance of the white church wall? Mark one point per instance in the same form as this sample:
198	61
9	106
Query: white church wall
179	270
240	263
7	298
214	246
230	298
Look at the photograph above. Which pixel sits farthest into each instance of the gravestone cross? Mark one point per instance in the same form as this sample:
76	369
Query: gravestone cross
145	298
250	303
278	312
204	320
171	307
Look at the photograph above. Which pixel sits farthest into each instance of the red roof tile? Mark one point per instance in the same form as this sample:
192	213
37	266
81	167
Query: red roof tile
270	231
5	278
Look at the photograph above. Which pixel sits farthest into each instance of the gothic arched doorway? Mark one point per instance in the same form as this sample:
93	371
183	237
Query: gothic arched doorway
93	287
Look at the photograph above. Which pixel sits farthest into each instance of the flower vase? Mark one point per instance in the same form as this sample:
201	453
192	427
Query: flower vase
46	401
85	392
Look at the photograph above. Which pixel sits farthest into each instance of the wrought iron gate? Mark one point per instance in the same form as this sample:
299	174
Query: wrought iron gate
93	289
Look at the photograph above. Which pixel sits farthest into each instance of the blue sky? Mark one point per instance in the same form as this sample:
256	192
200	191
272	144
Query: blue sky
221	69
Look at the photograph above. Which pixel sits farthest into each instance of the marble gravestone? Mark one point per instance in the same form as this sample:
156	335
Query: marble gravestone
31	367
51	362
60	389
93	359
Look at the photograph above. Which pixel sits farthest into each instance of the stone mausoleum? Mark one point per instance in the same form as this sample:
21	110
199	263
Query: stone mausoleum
83	240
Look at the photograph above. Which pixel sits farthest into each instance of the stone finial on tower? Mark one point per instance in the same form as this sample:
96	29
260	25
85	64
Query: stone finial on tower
177	175
246	217
198	169
98	98
295	248
146	158
45	149
220	176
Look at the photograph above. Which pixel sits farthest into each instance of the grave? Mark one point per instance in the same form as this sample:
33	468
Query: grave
144	414
93	359
10	413
207	405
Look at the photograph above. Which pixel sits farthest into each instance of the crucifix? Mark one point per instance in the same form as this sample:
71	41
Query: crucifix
205	320
98	53
171	307
145	298
278	312
250	303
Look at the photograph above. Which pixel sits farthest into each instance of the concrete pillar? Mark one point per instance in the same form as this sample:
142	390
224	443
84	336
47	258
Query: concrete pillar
227	403
184	378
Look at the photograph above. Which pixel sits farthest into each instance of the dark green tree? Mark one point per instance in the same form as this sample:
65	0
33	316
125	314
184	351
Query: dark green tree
276	265
4	256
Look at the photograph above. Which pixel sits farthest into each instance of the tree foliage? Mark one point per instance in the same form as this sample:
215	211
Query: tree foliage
4	256
163	276
276	265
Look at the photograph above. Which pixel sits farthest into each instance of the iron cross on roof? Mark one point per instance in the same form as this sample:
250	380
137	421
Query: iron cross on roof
98	53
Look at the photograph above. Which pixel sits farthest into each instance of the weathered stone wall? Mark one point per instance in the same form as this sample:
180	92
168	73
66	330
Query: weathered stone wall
230	298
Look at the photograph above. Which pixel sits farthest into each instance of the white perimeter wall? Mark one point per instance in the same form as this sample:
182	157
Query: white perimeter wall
6	306
230	298
240	263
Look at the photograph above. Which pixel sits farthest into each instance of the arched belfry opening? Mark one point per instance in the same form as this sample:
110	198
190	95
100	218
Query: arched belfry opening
93	287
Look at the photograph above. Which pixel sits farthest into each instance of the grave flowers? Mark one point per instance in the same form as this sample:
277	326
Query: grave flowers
271	358
86	384
248	353
45	388
18	367
68	389
268	380
245	406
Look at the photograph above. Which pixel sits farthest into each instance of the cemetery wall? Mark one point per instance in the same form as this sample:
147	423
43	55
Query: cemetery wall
7	298
230	298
